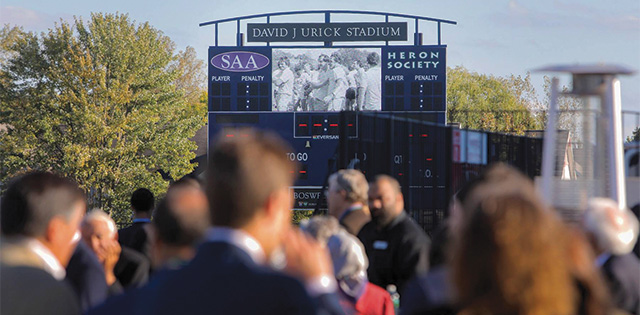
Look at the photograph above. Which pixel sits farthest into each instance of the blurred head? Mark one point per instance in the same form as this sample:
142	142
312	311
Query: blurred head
99	232
508	256
346	187
347	253
142	201
46	207
385	200
182	217
612	230
248	184
373	59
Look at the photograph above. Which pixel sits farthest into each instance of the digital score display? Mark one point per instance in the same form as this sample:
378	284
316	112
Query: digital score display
389	78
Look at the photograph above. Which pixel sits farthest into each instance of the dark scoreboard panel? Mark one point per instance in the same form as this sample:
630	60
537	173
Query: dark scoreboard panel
412	77
412	81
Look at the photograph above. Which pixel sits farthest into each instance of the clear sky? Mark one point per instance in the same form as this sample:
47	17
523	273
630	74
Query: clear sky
492	37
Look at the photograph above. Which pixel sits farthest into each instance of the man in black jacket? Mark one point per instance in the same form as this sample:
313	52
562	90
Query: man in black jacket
397	247
137	235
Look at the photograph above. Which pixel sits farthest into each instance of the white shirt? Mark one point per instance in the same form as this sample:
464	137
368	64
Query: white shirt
49	262
240	239
373	89
316	286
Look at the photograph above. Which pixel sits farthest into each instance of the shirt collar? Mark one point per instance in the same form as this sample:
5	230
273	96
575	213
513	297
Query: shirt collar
602	259
240	239
354	207
49	262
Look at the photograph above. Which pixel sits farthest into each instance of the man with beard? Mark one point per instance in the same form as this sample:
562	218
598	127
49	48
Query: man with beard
397	248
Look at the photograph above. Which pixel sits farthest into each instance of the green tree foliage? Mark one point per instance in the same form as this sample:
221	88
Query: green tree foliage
635	135
107	102
485	102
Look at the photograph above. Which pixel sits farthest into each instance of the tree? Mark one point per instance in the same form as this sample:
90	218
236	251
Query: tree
107	102
483	102
635	135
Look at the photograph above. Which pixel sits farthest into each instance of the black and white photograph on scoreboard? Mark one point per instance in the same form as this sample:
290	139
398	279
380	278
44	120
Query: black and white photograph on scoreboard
326	79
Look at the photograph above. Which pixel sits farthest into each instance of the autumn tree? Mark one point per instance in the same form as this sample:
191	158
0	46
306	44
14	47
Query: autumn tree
490	103
106	102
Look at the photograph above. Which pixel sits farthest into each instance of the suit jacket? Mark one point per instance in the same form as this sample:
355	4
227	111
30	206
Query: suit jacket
29	290
132	269
136	237
621	274
86	276
26	288
222	279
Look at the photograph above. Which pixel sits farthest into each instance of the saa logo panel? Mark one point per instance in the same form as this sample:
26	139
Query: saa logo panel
240	61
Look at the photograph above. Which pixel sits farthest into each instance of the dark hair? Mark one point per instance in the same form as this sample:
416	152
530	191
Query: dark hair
373	58
142	200
32	200
245	167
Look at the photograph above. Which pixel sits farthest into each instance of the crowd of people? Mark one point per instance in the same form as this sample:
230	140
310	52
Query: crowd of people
332	85
227	246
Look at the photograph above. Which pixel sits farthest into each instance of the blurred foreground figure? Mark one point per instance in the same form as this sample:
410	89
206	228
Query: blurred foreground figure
248	183
347	198
508	256
40	216
397	247
357	294
180	222
613	233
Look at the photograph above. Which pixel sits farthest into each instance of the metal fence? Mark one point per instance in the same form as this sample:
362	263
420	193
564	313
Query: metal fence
418	152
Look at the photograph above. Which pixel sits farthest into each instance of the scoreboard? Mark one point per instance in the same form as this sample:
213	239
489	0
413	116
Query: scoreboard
242	93
300	91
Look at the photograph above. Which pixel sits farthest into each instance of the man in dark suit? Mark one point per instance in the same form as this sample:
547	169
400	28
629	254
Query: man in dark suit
347	198
250	209
137	235
86	276
39	218
397	247
613	233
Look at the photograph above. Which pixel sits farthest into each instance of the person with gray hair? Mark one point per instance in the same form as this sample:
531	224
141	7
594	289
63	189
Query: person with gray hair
123	267
346	199
357	295
612	233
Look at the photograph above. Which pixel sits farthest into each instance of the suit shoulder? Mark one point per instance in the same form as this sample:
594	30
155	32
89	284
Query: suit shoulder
29	290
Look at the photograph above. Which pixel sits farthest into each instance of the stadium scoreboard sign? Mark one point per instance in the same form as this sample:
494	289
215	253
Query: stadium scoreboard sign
326	32
299	91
